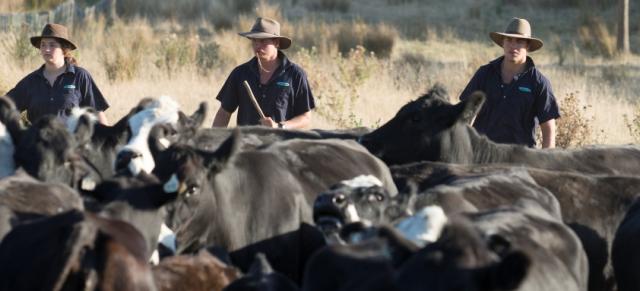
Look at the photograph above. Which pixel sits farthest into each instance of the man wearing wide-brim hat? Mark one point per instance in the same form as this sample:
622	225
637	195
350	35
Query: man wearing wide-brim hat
283	98
518	95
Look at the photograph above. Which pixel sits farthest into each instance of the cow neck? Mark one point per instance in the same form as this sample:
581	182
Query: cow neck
485	151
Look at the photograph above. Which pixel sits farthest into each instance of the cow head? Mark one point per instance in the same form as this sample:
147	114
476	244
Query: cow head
462	259
424	128
45	151
359	200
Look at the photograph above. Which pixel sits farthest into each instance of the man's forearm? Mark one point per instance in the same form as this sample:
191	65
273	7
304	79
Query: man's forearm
222	118
548	130
301	121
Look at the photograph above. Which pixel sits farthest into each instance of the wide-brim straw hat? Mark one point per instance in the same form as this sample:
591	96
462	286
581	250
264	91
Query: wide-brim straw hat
53	30
517	28
267	28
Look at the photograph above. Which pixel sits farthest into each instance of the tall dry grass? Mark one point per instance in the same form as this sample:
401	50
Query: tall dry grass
362	65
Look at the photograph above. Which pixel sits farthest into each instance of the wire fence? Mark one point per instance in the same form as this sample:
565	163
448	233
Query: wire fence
68	13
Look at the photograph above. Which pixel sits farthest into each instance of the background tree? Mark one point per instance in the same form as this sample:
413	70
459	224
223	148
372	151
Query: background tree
623	26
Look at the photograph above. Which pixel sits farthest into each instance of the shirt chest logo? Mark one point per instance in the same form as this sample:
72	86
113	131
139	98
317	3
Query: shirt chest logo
283	84
524	89
70	86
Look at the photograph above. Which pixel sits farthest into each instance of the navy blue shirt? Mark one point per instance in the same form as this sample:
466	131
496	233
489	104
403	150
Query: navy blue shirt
510	113
286	95
73	88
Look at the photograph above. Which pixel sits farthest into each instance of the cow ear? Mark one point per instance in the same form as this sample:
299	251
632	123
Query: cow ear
225	151
508	273
197	118
471	106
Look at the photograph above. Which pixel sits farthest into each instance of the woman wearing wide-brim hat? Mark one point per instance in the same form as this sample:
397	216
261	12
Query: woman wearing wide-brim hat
58	85
280	87
518	95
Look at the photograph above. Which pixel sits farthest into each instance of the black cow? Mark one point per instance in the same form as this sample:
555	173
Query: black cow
432	129
369	265
261	277
625	254
244	197
593	206
502	249
136	200
74	251
24	198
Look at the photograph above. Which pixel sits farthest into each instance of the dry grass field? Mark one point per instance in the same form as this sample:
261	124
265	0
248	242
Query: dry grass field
364	58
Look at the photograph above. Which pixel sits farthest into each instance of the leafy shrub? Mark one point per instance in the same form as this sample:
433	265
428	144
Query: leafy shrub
574	128
380	40
633	125
174	53
595	36
23	51
127	45
207	57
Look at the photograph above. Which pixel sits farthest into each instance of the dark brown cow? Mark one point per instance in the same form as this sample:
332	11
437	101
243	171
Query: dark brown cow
202	272
74	251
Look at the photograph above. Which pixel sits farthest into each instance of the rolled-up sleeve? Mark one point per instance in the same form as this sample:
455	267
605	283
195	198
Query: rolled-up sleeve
303	99
546	105
91	95
19	95
228	95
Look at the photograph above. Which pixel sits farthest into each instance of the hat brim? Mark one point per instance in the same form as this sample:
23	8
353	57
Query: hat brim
534	43
285	42
35	41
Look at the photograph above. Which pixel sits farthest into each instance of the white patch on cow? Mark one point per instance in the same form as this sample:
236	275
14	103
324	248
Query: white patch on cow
88	184
168	239
351	214
164	142
171	185
423	227
362	181
162	110
7	164
74	117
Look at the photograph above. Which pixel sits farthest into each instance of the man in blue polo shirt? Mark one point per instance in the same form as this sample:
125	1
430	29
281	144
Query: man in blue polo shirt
518	95
280	86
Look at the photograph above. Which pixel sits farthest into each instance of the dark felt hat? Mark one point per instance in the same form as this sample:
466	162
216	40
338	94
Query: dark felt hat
53	30
267	28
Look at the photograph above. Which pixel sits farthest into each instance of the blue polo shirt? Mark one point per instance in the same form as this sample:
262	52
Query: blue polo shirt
511	111
286	95
73	88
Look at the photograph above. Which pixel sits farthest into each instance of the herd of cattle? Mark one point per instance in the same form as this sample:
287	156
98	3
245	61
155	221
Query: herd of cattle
157	202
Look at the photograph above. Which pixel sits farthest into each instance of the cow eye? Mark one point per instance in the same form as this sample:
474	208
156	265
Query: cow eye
191	190
375	197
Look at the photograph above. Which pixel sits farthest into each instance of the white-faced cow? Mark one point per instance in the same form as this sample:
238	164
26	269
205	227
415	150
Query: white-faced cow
241	197
432	129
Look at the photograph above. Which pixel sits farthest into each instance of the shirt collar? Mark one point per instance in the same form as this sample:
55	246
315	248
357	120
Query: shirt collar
70	68
497	62
285	63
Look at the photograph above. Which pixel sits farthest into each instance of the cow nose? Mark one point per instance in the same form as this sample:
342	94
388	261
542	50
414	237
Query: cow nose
125	157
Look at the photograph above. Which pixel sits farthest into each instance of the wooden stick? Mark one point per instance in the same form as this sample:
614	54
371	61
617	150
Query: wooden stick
253	98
